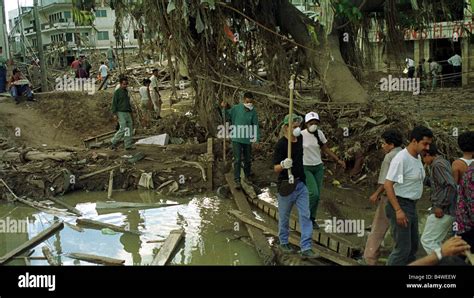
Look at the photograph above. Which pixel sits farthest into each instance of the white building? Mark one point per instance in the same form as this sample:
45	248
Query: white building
60	33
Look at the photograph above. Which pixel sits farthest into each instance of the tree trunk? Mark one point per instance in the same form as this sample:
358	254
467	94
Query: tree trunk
324	55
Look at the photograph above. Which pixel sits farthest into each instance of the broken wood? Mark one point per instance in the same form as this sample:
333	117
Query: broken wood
294	239
334	242
101	225
111	185
168	247
99	172
259	240
96	259
66	205
32	242
36	156
49	256
74	227
114	205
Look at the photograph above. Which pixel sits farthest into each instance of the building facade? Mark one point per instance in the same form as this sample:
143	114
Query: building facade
60	33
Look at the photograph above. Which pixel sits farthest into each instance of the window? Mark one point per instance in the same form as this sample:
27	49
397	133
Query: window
103	35
67	14
69	37
101	13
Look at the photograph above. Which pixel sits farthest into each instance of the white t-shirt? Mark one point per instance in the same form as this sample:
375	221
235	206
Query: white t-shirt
144	93
410	62
408	174
311	149
153	85
103	70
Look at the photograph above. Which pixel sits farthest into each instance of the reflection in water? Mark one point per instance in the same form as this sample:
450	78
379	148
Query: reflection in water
209	231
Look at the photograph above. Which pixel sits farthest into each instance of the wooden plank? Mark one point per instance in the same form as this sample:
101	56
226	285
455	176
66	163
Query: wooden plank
96	259
111	185
294	239
168	248
49	256
259	240
124	205
319	236
66	205
32	242
101	225
98	172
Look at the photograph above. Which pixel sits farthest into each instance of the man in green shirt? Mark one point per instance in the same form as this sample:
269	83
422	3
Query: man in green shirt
244	130
123	112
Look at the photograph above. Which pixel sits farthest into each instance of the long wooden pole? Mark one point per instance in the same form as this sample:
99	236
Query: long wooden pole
290	126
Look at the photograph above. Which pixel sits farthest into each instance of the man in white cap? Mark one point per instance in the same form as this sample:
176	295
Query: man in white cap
314	141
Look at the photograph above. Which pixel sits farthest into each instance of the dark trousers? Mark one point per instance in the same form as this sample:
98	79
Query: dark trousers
3	79
406	238
458	75
411	72
238	149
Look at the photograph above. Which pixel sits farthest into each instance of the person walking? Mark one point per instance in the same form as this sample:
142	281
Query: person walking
295	193
404	187
315	142
122	110
245	131
391	145
443	198
155	94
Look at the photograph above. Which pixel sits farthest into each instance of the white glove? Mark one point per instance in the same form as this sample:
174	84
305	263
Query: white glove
287	163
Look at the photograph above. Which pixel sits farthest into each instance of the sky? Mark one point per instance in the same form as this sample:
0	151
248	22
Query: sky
12	4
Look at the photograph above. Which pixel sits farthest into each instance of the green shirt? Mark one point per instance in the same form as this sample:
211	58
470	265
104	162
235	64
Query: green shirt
3	61
121	101
245	128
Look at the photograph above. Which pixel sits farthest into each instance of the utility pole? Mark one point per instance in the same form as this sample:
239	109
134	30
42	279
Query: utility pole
44	81
22	36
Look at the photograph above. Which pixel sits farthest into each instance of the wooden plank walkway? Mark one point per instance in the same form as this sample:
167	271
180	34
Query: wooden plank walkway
166	251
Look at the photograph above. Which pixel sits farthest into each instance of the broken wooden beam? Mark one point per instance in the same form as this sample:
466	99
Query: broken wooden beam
102	225
114	205
66	205
36	156
99	172
96	259
32	242
259	240
294	239
49	256
111	185
333	242
168	248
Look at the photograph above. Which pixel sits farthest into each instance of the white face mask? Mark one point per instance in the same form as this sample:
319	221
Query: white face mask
297	132
312	128
248	106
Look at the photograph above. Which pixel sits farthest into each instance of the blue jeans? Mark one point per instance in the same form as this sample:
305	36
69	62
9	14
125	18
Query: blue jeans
111	63
300	197
19	90
3	79
406	239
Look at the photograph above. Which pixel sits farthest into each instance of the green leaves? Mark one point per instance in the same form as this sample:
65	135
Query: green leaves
346	9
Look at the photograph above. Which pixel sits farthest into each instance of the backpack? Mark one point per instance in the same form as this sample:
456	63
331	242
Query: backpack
316	134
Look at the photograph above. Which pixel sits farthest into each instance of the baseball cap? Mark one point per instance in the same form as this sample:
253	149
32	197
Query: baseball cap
296	118
310	116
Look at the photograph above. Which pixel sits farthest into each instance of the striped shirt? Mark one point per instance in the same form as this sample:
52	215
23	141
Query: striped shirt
443	186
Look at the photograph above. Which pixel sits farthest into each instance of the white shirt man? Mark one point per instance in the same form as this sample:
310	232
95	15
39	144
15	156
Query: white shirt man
410	62
155	96
455	60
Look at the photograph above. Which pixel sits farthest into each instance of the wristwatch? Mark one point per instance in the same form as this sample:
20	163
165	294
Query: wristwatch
438	253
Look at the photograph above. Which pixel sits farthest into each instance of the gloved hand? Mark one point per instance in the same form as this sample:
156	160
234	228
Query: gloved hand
287	163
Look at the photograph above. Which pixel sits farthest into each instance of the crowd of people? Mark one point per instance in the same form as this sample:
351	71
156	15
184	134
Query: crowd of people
401	181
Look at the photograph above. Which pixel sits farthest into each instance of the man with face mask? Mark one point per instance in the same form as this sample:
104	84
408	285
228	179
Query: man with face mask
244	131
404	187
314	141
292	193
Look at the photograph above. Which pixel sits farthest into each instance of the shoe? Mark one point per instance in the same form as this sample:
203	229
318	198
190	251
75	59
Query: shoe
113	147
309	254
32	99
286	248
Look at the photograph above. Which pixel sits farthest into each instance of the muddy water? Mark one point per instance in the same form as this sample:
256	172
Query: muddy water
210	237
